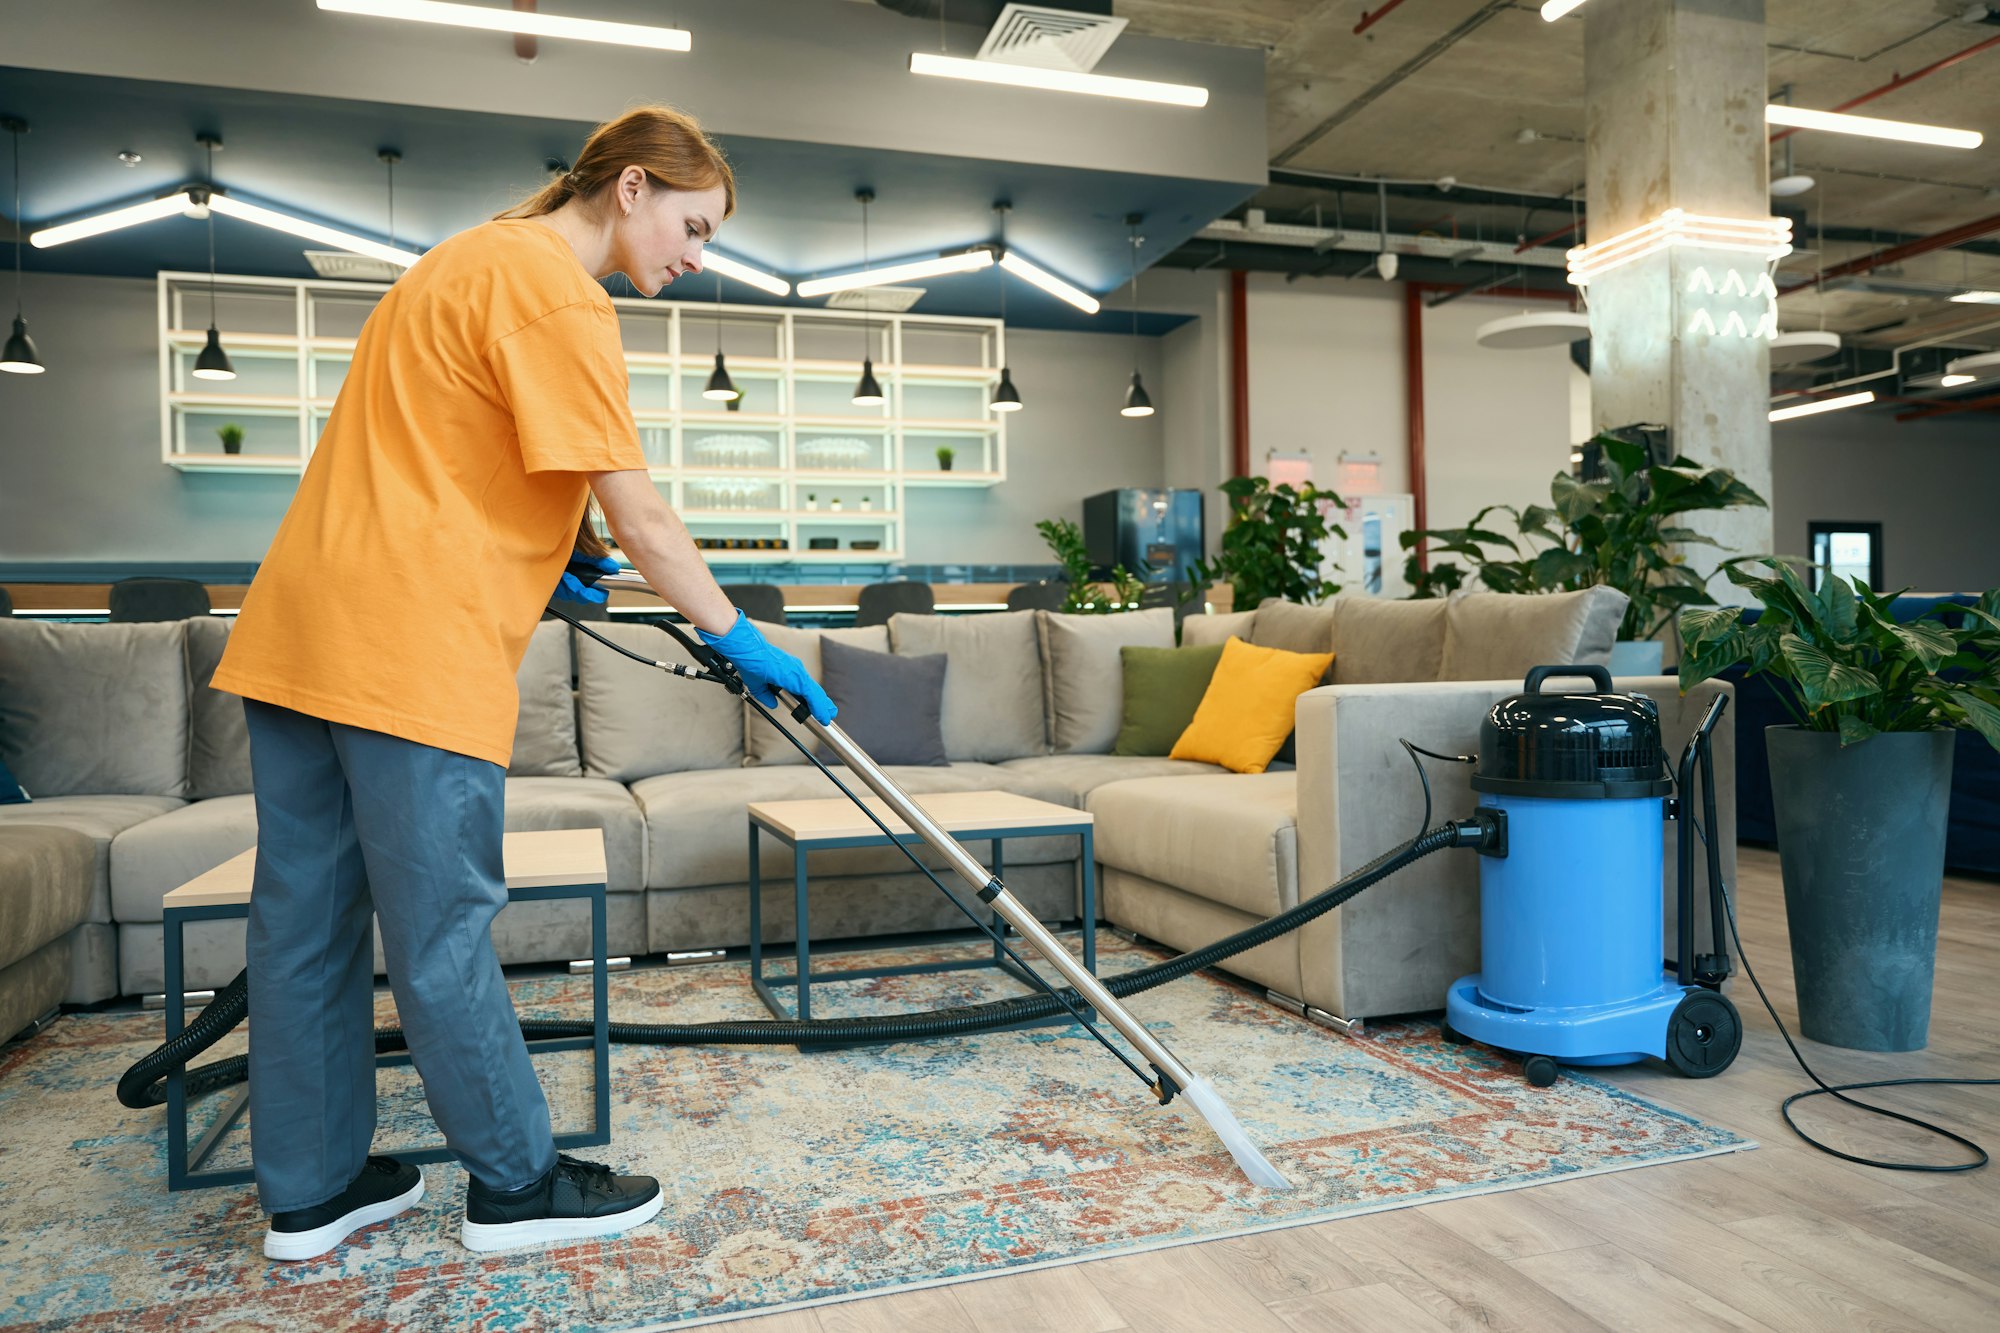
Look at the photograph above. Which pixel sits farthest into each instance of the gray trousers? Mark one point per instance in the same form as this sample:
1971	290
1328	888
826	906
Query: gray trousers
353	825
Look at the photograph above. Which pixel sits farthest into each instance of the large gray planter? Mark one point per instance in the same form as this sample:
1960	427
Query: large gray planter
1861	841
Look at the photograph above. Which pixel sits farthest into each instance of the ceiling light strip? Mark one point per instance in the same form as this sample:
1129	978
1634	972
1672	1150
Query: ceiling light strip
231	207
1049	283
1824	405
1555	9
743	273
1765	238
967	262
516	21
1870	127
1978	298
114	220
1058	80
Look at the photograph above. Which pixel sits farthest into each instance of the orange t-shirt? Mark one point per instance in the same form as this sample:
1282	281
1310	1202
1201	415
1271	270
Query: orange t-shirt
440	506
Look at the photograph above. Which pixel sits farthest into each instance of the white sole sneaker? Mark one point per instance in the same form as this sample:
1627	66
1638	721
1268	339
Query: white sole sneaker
543	1230
312	1244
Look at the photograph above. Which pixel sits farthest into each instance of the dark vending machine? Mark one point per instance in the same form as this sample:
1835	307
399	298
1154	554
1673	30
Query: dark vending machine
1156	534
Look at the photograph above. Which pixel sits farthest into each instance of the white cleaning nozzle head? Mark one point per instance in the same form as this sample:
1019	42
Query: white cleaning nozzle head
1252	1161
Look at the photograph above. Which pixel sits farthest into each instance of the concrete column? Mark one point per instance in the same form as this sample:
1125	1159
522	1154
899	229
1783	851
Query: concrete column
1675	93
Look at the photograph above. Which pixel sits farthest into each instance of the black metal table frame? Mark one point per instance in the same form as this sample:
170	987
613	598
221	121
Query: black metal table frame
803	975
184	1169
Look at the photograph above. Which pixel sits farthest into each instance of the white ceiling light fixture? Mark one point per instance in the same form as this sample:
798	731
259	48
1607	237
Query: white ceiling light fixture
1537	328
1555	9
1768	239
1978	298
1979	365
311	231
523	22
1846	400
1803	345
1870	127
195	201
114	220
969	261
743	273
1058	80
1955	381
1048	282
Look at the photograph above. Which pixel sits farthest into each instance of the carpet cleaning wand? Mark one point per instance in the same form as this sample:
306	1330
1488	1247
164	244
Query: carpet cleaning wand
1171	1074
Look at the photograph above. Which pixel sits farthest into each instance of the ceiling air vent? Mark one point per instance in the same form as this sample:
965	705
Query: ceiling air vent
351	268
1050	38
877	300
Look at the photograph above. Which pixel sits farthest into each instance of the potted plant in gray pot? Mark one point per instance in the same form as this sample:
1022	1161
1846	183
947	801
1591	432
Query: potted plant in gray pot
1622	532
1860	782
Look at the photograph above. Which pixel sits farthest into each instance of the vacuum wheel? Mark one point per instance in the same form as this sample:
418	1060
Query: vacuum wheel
1540	1069
1451	1035
1704	1034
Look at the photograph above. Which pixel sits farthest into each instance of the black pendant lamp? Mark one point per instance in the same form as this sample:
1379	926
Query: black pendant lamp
1006	398
868	389
720	389
20	357
213	363
1137	404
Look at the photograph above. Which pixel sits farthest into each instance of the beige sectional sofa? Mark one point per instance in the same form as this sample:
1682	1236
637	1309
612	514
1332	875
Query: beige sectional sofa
114	729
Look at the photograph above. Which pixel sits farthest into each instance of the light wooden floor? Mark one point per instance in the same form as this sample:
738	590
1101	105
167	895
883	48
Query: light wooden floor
1781	1238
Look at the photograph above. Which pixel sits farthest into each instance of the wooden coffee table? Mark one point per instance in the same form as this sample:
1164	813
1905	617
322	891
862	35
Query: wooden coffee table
554	863
970	816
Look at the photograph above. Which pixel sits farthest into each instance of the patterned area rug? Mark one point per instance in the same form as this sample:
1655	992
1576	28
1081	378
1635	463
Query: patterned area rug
795	1179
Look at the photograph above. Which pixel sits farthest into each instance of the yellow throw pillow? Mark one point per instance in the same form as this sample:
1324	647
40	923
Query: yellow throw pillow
1246	712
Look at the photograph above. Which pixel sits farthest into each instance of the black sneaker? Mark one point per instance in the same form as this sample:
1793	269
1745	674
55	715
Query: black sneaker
384	1188
574	1201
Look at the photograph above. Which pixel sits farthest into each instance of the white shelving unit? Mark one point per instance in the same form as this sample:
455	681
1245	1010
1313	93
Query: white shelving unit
775	470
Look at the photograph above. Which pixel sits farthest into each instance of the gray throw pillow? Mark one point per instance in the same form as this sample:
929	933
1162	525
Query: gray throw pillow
890	706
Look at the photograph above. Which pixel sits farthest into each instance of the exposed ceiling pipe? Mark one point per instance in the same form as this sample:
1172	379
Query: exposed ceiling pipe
526	45
1555	235
1369	20
1905	80
982	12
1943	240
1989	403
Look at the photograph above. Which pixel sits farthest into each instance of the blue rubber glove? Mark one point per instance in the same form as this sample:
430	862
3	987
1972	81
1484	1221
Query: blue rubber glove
764	668
584	571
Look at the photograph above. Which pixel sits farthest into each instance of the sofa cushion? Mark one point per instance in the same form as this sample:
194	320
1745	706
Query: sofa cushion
558	803
1382	642
890	706
765	745
91	710
1084	680
1068	778
1246	712
45	880
219	744
1230	838
993	687
99	818
545	728
1163	687
635	721
697	830
1292	627
1197	630
151	860
1503	636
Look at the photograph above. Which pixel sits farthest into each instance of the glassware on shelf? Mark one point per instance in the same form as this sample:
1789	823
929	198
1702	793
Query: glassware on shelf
729	493
732	451
835	451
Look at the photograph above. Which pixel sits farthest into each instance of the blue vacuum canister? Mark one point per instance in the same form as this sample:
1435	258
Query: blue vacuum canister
1570	906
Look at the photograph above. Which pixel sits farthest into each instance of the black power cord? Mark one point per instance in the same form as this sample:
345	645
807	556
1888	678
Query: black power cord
1414	750
1839	1091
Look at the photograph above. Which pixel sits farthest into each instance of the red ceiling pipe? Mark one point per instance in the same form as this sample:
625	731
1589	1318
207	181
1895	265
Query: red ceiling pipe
1504	293
526	47
1943	240
1905	80
1369	20
1988	404
1413	406
1555	235
1239	365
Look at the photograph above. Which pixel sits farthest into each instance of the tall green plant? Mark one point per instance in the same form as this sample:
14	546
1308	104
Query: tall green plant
1272	546
1065	541
1619	532
1843	663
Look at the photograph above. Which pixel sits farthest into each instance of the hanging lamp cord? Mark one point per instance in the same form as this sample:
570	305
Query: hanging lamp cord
210	208
1133	229
19	230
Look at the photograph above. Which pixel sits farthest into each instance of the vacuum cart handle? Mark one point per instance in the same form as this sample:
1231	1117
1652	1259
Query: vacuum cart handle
1599	676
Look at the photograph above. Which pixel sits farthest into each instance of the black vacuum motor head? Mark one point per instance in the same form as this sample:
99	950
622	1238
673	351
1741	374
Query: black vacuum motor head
1572	746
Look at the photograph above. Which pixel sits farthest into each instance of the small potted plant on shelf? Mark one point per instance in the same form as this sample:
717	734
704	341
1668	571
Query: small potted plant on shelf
945	454
1860	782
232	438
867	503
834	504
812	501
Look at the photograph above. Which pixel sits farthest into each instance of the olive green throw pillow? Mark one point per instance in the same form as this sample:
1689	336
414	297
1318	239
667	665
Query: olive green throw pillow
1163	687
